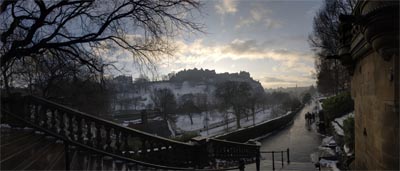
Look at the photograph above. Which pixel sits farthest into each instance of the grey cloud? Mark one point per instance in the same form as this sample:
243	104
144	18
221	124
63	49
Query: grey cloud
243	46
276	79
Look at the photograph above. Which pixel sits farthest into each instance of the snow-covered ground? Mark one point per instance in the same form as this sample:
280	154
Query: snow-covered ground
216	122
209	123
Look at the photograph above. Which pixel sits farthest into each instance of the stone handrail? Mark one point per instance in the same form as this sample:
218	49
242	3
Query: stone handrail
123	143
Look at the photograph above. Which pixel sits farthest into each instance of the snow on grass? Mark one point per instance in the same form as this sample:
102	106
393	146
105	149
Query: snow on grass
216	122
183	122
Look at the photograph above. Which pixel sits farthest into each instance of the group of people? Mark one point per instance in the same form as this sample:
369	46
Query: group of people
310	117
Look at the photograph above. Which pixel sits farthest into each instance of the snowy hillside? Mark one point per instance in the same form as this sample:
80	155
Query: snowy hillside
143	94
199	83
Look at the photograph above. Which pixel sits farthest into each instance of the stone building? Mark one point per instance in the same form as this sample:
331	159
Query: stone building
370	39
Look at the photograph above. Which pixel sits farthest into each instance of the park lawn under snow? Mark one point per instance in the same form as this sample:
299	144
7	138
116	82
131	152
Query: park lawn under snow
216	122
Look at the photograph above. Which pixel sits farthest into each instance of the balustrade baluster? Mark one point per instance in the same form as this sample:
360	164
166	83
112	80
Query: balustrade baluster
36	115
62	124
79	131
98	136
53	120
144	150
71	127
108	139
89	133
166	153
151	147
126	145
44	113
30	110
117	142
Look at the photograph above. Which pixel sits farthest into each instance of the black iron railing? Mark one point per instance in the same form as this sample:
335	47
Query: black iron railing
273	153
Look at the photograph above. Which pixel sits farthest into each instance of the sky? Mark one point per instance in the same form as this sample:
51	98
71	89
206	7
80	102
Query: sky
267	38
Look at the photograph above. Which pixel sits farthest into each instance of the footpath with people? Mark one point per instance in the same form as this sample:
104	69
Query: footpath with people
301	138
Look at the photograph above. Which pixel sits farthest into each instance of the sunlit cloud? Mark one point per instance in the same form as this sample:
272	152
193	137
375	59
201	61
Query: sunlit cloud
258	15
286	81
198	52
226	6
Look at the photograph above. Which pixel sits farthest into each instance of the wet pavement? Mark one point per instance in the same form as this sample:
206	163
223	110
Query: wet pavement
300	137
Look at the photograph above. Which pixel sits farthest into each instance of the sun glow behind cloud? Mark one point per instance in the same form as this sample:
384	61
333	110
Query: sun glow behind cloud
266	38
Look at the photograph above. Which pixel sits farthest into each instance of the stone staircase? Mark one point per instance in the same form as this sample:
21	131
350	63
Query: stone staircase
26	149
66	139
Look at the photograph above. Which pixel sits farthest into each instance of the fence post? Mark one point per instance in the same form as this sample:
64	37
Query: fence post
258	161
241	165
282	158
201	150
287	152
273	161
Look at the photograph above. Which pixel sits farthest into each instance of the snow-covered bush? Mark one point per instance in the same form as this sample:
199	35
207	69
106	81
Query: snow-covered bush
348	128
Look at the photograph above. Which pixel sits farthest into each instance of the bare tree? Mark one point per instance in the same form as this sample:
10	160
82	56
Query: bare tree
164	100
82	30
254	102
234	95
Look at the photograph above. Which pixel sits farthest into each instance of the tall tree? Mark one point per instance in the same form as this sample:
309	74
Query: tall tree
332	77
254	102
233	95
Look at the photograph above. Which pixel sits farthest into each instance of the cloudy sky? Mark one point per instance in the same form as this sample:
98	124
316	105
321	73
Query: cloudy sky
267	38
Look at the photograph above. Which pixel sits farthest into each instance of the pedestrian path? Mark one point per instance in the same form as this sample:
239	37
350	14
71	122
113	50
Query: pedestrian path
300	137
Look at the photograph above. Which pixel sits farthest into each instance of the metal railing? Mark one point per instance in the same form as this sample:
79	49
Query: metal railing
281	154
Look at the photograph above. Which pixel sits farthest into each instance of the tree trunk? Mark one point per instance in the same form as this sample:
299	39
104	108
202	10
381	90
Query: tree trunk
191	118
237	113
254	115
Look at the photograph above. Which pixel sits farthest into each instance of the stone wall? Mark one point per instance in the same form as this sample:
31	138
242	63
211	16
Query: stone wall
370	50
376	121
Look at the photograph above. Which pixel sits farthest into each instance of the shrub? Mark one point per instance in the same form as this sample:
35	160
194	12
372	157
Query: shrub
338	106
348	128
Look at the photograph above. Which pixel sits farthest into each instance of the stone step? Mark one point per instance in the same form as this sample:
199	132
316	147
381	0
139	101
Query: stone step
24	157
9	149
50	159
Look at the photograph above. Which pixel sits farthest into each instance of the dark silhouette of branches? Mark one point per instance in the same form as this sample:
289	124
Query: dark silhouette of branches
325	41
81	30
